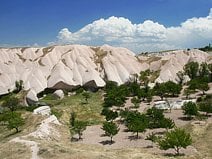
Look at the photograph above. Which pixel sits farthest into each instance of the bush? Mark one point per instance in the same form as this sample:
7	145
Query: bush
11	102
79	91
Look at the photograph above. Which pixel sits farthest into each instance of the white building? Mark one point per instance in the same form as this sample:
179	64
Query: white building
172	104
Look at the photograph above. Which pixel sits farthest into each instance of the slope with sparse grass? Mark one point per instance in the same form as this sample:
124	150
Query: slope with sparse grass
90	112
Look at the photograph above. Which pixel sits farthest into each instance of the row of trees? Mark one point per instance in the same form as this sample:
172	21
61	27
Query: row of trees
116	95
154	118
137	122
192	109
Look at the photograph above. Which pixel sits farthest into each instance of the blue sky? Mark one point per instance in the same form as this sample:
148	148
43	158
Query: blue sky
28	22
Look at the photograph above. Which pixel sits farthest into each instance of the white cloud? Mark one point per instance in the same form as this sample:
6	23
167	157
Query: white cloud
146	36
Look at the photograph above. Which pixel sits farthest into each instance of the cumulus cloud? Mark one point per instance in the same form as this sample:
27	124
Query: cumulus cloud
146	36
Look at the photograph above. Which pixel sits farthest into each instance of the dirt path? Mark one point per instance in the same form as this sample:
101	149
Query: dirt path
44	131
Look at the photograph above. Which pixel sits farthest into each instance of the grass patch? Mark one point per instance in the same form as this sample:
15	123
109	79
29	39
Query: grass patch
203	142
90	112
201	138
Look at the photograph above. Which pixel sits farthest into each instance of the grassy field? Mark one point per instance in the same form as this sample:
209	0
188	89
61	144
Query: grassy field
202	138
203	141
89	112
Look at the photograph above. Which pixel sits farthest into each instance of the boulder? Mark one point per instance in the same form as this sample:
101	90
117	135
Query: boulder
59	94
31	97
44	110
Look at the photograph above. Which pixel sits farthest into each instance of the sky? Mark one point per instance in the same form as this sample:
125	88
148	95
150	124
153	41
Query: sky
139	25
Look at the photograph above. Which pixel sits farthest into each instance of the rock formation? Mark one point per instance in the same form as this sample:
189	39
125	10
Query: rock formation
71	66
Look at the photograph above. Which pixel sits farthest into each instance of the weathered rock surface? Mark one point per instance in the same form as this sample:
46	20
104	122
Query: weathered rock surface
170	63
46	129
43	110
71	66
59	94
64	67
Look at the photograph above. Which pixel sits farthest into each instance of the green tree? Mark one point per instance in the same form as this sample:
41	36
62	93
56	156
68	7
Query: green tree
172	88
206	106
189	109
200	83
133	88
14	120
160	90
210	71
155	116
144	77
136	123
188	92
203	87
167	123
109	114
176	139
180	76
115	95
11	102
142	94
18	86
111	129
191	69
204	70
86	95
110	85
79	127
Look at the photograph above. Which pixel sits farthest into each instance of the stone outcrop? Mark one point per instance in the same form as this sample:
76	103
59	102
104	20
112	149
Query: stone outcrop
43	110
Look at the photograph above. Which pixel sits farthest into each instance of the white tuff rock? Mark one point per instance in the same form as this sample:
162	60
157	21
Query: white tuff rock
59	94
44	110
72	66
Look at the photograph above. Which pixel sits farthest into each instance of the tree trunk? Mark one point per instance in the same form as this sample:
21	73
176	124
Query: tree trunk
80	136
111	139
137	135
177	149
16	130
